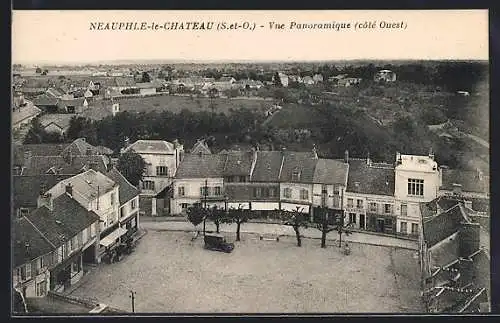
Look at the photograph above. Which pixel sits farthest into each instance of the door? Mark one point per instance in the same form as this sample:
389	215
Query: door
362	221
380	225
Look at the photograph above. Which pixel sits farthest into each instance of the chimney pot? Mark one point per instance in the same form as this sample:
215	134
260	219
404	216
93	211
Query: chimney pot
69	189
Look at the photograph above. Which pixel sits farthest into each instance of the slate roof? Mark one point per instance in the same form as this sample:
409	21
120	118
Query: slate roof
329	171
67	219
88	184
36	150
237	163
24	232
26	189
127	191
22	113
468	179
267	166
40	165
151	146
62	120
302	162
366	179
204	166
443	225
45	100
79	147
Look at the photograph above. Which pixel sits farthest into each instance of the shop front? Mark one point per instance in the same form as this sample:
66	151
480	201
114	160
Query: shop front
381	223
69	272
109	245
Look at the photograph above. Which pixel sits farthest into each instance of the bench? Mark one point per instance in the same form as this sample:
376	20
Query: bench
268	237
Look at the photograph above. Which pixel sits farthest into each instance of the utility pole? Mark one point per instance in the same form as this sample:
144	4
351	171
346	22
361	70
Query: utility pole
205	197
132	296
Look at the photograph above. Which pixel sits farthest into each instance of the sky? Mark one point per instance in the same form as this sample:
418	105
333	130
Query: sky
64	37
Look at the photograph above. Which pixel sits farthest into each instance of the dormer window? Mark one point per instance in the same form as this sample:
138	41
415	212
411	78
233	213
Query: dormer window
295	175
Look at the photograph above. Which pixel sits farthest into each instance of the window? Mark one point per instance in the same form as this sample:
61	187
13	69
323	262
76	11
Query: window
75	266
133	204
352	217
184	206
59	255
416	187
387	208
414	228
404	210
403	227
112	198
372	206
24	272
287	192
41	288
359	204
148	185
217	191
272	192
181	191
304	194
350	203
388	222
23	212
92	230
229	179
336	190
243	179
161	170
296	175
324	191
204	191
257	192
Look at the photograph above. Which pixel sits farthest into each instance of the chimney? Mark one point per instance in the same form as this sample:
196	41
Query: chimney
27	248
431	154
69	189
457	189
368	160
315	152
27	158
399	160
88	151
346	156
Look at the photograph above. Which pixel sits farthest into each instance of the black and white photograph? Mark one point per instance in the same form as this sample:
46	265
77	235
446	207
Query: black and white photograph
250	162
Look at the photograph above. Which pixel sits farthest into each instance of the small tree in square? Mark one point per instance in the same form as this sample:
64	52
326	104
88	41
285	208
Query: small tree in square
238	216
329	222
217	216
296	219
196	214
342	226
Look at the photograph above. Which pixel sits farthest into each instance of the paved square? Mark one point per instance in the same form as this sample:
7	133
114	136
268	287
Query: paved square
170	273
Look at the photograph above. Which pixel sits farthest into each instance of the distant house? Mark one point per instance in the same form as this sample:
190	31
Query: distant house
307	80
88	94
22	115
318	78
284	79
148	88
57	123
385	76
47	103
122	83
349	81
73	106
55	93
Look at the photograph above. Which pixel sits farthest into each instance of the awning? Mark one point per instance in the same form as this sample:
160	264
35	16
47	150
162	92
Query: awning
293	207
242	205
111	238
265	206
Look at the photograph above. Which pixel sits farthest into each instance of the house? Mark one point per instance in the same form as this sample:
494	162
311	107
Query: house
148	88
385	76
129	203
308	80
122	83
73	105
349	81
369	198
73	232
250	84
55	93
46	103
455	269
199	177
162	159
236	171
200	147
56	123
88	94
463	183
283	78
318	78
224	83
23	115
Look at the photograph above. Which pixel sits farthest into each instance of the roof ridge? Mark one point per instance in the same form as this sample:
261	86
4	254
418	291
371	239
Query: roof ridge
40	232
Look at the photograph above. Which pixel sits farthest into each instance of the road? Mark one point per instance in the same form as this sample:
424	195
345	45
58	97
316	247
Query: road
281	230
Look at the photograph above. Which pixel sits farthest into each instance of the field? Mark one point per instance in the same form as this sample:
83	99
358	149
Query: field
100	109
172	274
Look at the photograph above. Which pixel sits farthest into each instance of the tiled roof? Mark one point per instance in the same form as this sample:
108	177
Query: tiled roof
151	146
301	162
469	180
36	150
24	232
237	162
329	171
79	147
60	119
22	113
204	166
267	166
366	179
127	191
26	189
40	165
444	225
55	92
89	184
44	100
67	219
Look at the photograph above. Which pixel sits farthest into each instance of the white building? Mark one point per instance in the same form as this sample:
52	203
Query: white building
162	159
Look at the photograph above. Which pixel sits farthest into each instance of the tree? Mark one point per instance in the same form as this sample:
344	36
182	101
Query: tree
217	216
238	216
145	77
277	80
296	220
325	224
38	70
132	166
342	227
196	214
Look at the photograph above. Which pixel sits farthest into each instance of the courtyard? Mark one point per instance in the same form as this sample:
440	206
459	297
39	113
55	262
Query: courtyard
172	274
